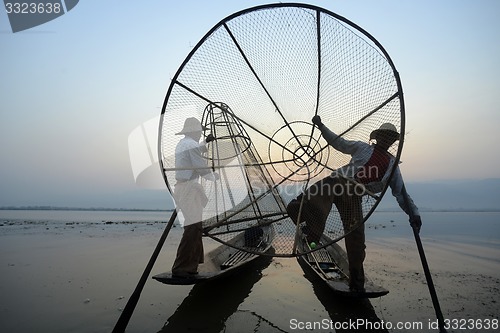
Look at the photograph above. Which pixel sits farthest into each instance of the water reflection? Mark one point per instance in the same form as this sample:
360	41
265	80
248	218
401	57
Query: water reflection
345	310
210	304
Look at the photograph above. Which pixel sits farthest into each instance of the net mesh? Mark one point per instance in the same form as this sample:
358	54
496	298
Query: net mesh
254	82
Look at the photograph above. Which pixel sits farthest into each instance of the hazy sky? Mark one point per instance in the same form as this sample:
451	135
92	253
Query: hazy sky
74	89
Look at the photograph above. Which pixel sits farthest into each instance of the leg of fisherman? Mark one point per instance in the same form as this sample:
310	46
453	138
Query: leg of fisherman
351	214
189	251
317	203
191	200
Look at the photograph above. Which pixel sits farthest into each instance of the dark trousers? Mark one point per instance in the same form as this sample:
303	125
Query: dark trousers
317	201
190	198
190	250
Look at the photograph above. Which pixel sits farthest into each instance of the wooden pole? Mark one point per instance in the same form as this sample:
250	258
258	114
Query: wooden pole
430	284
127	312
425	266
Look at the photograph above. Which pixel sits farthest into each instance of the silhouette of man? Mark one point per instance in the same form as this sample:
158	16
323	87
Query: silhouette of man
368	170
190	196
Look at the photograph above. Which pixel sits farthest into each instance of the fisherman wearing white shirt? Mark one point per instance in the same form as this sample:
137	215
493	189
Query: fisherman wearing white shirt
189	196
367	172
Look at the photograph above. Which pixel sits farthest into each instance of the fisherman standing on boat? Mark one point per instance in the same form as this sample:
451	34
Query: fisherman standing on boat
368	171
190	196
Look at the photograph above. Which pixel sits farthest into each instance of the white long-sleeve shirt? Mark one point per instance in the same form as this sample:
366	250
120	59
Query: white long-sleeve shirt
360	154
190	162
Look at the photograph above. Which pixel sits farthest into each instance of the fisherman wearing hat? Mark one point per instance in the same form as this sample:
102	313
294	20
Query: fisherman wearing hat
190	196
367	172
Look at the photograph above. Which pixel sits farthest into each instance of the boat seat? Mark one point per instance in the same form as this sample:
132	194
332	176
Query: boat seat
320	256
236	258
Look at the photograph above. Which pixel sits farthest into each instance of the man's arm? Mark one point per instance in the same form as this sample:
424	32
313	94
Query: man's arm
337	142
404	200
199	162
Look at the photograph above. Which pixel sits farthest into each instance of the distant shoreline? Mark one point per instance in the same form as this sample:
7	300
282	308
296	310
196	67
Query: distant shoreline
100	209
103	209
450	210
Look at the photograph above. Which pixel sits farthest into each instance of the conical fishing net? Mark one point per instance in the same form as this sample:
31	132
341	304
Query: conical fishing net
254	82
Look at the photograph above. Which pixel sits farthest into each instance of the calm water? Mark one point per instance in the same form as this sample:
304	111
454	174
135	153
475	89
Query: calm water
91	216
73	271
468	226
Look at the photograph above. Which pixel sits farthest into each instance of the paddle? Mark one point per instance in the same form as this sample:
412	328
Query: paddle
425	266
122	322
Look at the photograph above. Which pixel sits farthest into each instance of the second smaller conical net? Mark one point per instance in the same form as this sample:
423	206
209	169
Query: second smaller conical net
244	195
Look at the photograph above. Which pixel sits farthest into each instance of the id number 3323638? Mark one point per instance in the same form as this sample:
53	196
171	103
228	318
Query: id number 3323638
33	8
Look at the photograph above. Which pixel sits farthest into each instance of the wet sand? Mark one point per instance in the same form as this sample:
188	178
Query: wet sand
77	277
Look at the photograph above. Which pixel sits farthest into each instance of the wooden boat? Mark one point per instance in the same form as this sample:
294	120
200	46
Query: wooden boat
330	264
225	259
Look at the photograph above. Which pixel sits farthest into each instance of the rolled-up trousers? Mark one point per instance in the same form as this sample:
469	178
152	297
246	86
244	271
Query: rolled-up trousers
317	201
190	198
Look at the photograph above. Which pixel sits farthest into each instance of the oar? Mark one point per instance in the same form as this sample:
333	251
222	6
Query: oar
122	322
425	266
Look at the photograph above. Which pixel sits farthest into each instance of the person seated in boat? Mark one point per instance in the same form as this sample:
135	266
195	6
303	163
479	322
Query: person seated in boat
368	170
190	197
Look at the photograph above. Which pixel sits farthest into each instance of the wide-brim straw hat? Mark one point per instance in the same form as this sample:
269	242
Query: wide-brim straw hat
191	125
387	129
